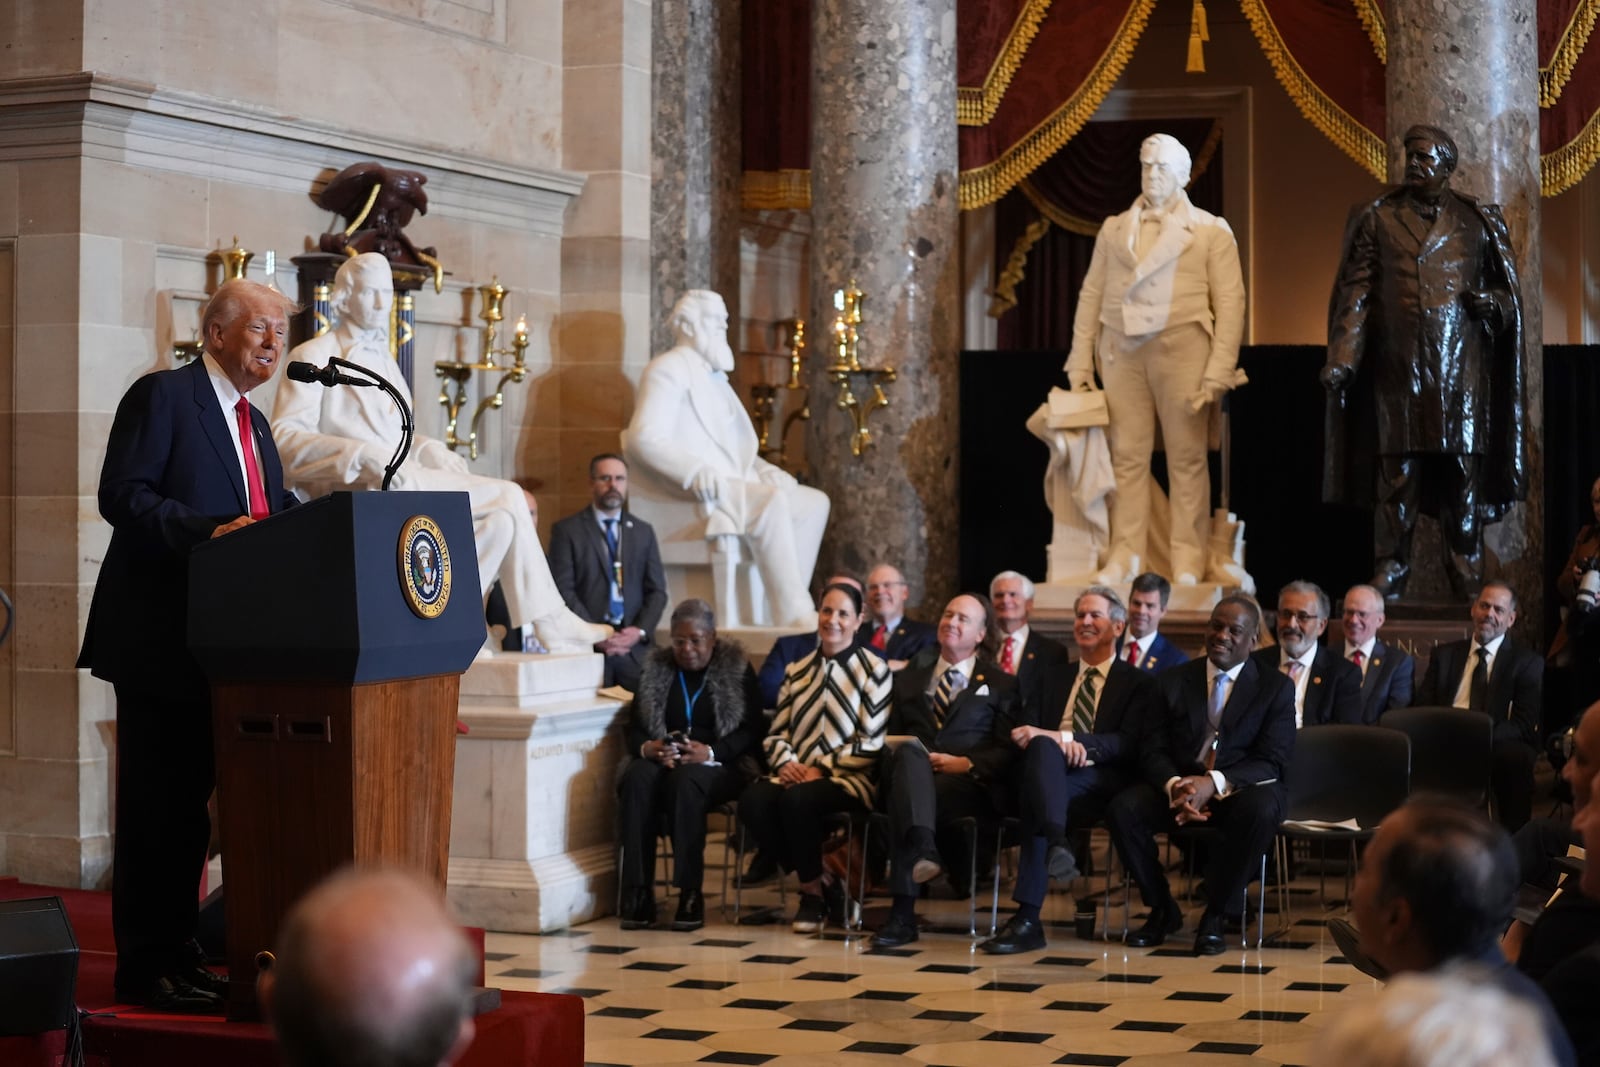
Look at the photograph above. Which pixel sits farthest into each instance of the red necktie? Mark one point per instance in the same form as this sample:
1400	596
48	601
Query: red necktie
880	639
1356	657
252	473
1008	661
1133	653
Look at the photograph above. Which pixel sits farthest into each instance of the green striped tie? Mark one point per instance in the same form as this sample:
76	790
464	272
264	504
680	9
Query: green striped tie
1083	703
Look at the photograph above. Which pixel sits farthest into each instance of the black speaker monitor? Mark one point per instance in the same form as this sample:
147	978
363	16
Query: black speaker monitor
38	966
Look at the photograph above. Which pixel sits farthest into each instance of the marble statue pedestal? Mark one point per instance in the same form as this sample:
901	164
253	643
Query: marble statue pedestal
532	837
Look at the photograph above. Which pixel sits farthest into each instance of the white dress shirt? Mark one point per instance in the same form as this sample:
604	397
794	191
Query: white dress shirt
228	397
1301	682
1365	648
1232	674
1104	667
966	667
1019	639
1464	690
1142	644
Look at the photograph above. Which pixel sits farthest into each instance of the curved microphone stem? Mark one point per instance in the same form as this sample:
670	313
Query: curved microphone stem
407	427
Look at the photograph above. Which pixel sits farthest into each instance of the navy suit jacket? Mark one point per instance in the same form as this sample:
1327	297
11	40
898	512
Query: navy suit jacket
909	638
978	721
1120	718
171	476
1160	655
1391	677
1333	695
1044	677
1254	743
1516	687
580	563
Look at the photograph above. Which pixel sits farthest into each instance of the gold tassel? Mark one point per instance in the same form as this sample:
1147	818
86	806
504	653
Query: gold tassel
1199	33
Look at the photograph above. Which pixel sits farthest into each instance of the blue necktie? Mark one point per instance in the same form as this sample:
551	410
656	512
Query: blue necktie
614	608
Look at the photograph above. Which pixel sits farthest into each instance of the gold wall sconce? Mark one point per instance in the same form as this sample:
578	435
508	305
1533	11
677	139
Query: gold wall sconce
846	368
764	398
493	298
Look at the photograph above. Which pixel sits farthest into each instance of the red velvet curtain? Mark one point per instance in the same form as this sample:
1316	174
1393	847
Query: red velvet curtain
1095	176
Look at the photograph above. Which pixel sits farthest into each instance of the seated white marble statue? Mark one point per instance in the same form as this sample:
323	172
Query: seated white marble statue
690	445
343	437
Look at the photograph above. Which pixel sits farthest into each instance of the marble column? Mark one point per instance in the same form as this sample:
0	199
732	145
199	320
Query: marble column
695	164
884	178
1473	70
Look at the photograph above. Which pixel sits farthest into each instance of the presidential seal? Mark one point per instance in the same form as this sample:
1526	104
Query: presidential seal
424	567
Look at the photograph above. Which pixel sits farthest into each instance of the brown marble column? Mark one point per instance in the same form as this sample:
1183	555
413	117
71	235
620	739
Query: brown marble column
694	188
1473	70
884	213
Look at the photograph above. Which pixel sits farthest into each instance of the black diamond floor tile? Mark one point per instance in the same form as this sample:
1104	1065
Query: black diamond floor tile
758	1005
1065	961
880	1048
650	965
1244	968
525	972
496	957
1226	1048
721	942
947	968
1204	998
884	994
1008	987
581	991
1074	1005
667	1033
1274	1016
1092	1060
753	1058
824	976
896	953
1135	979
1151	1025
937	1016
1020	1037
626	1013
827	1025
610	950
772	959
701	983
1316	987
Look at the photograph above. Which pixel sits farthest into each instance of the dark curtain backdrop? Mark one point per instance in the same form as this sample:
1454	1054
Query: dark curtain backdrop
1571	455
1095	176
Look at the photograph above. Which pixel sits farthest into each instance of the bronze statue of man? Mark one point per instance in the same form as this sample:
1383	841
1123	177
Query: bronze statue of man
1425	368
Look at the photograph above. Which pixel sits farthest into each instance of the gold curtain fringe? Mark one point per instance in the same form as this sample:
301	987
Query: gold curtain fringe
1574	39
1069	222
1199	34
1371	16
976	105
1566	166
776	190
1005	288
988	183
1336	124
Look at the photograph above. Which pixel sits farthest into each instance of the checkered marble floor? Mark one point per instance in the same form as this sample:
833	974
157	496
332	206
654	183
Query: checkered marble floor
760	994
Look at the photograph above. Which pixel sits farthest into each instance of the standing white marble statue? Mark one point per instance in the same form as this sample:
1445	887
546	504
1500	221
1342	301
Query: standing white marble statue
343	437
1160	315
692	436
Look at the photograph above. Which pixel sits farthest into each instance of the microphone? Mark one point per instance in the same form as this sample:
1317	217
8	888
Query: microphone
308	372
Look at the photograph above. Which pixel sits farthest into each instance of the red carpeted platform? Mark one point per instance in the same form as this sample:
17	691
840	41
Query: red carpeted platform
528	1028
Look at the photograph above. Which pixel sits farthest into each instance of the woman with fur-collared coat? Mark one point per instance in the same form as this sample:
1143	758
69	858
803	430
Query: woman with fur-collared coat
694	721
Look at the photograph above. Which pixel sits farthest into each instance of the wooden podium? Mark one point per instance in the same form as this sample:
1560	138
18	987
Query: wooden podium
334	636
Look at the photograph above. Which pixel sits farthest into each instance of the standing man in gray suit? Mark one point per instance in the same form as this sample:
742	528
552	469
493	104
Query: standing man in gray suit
608	568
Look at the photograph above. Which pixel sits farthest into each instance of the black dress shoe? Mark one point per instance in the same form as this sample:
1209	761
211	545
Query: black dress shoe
172	993
638	909
204	978
691	911
896	932
1208	939
762	868
1164	919
1017	935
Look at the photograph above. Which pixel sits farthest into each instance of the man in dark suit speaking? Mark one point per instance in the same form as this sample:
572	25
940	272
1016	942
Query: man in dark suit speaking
608	567
189	458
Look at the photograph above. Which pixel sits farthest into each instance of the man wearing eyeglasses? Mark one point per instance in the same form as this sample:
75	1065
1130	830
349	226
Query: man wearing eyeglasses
1388	672
1327	687
890	634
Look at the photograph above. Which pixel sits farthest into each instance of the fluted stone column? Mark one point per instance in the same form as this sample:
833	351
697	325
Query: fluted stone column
1473	70
694	188
884	213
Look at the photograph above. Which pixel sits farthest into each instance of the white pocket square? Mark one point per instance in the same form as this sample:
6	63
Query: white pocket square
983	691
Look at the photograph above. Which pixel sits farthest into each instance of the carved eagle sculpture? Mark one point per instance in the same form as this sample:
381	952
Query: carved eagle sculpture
378	203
